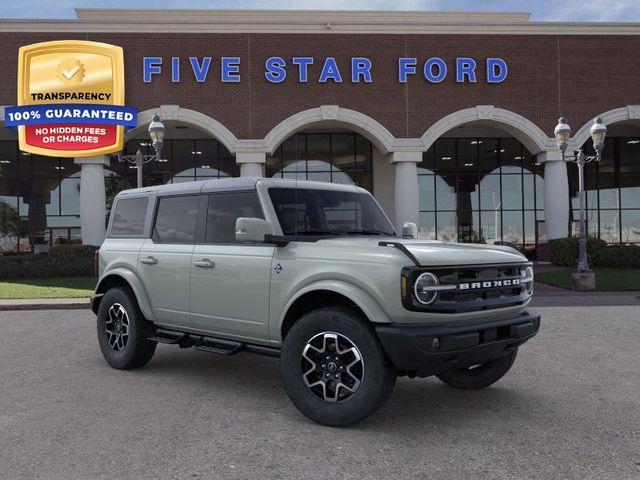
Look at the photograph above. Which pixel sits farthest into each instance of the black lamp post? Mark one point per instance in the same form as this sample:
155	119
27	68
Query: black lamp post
562	133
156	133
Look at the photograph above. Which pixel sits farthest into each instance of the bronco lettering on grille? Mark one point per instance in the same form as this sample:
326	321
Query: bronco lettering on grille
507	282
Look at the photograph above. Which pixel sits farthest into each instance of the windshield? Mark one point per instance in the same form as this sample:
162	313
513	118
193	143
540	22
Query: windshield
328	212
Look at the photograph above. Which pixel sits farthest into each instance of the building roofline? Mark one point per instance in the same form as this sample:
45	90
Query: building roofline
266	16
310	21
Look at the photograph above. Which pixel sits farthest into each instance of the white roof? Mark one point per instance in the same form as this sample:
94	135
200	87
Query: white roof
231	184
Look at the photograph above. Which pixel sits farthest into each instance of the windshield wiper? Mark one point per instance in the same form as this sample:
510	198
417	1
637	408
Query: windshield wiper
316	231
367	232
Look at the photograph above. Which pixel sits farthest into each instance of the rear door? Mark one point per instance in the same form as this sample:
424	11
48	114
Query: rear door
164	263
230	280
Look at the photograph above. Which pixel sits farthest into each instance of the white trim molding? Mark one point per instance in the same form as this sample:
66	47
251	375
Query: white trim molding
531	136
373	130
98	160
622	114
549	156
250	157
192	117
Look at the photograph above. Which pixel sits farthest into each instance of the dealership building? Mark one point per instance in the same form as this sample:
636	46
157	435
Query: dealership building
447	118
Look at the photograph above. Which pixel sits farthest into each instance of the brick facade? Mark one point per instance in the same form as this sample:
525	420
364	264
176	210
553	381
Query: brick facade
575	75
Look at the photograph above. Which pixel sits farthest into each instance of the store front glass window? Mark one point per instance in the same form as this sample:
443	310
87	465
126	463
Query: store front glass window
40	196
480	190
182	161
39	200
324	157
612	192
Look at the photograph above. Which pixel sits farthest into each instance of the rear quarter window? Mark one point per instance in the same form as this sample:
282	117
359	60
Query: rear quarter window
176	219
128	217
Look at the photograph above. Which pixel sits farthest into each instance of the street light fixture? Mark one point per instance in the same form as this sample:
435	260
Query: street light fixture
562	133
156	133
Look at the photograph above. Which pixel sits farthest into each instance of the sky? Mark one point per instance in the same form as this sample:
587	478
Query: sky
542	10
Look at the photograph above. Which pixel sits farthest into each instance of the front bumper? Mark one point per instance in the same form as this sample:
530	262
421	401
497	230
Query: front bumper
424	350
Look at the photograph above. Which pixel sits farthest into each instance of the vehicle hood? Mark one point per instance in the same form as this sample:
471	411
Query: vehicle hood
437	253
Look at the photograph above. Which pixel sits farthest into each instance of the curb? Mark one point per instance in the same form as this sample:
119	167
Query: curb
568	299
45	304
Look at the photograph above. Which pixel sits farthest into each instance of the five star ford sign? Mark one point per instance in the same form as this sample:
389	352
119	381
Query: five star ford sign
70	99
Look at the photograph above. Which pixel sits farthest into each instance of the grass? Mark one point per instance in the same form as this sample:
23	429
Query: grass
81	287
606	278
67	287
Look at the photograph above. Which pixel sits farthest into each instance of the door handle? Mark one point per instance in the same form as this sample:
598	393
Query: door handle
204	263
149	260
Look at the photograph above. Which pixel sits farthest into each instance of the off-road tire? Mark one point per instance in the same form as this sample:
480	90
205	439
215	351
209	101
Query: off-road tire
378	375
137	350
481	376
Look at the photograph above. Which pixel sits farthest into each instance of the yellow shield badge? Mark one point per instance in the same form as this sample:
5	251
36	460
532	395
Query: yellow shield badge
71	99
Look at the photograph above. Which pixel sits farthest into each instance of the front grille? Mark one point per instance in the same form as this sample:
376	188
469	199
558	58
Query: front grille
473	287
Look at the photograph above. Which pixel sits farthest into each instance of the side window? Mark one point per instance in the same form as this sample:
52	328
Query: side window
176	219
128	216
223	211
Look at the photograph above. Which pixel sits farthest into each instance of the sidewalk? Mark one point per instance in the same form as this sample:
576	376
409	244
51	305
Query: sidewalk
551	296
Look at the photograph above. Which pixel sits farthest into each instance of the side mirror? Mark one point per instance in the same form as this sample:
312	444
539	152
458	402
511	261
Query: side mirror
252	230
409	230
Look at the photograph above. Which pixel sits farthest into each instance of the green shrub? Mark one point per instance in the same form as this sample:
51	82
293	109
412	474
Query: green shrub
564	252
61	261
618	256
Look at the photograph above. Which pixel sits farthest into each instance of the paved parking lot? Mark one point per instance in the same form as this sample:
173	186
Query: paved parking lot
570	408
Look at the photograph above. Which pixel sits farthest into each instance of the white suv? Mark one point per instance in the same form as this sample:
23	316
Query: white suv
313	273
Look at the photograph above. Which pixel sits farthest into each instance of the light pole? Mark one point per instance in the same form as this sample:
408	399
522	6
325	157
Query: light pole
562	133
156	133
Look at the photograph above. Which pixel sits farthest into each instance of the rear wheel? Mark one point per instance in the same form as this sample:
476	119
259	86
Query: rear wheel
477	377
334	368
123	331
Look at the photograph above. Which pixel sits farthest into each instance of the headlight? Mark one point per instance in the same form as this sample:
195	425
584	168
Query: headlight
424	290
526	278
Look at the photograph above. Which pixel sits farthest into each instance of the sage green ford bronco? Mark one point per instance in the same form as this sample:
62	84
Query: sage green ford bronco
315	274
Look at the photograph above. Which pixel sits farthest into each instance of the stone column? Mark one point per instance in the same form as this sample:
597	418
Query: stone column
251	163
406	187
92	199
556	194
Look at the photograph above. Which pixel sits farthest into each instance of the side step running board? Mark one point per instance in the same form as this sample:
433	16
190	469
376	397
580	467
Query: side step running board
220	346
218	350
169	337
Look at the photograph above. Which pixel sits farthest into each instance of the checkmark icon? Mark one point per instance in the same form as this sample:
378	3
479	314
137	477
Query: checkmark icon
71	73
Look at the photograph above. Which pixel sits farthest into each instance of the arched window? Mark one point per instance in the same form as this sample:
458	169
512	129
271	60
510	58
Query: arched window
182	161
325	157
480	190
612	189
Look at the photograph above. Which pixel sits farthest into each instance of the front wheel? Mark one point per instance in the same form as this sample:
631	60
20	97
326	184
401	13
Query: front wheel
477	377
333	367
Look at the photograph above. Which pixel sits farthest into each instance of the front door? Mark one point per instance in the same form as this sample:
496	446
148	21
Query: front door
164	263
230	280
